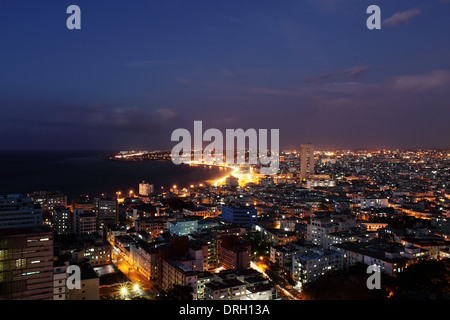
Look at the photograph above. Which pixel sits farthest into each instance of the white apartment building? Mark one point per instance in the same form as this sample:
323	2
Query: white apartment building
309	266
228	289
318	228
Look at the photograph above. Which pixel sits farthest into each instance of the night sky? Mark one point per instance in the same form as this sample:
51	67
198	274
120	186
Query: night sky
139	69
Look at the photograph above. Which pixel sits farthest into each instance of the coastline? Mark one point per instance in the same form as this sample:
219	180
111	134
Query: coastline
75	173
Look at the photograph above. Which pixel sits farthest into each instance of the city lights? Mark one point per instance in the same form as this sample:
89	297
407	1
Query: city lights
173	153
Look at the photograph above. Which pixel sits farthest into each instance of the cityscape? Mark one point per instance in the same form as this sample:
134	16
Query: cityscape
245	236
225	158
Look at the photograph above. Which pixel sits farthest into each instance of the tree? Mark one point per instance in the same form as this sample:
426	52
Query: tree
344	285
177	292
424	280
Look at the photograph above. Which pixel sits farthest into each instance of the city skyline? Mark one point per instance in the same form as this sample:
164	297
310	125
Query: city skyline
312	69
239	155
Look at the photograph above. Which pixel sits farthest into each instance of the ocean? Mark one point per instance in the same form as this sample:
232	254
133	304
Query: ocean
86	172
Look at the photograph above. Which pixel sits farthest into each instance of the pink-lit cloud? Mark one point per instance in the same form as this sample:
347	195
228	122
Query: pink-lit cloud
401	18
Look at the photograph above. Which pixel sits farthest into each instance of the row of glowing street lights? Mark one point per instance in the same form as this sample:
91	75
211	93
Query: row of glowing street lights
127	290
131	192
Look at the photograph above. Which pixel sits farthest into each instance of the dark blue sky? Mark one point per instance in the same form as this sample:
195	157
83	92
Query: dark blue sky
140	69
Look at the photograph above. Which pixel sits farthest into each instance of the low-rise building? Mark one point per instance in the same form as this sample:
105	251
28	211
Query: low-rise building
389	257
154	226
89	286
281	255
99	254
174	272
321	225
339	237
202	279
229	289
310	265
182	227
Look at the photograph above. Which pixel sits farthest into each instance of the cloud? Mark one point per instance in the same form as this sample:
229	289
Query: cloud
132	119
353	72
236	72
102	117
157	62
275	91
401	18
166	114
433	79
231	19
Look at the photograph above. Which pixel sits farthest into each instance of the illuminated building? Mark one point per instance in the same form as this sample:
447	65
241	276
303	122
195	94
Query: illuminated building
84	222
390	258
198	211
319	226
277	236
232	181
60	275
339	237
148	261
373	226
321	183
153	226
89	284
182	227
309	266
26	263
174	272
48	200
373	202
281	255
259	288
83	202
17	211
202	279
114	231
234	253
106	209
97	254
245	215
229	289
306	161
61	220
146	189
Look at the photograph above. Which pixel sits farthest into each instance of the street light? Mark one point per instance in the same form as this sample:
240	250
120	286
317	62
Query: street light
123	291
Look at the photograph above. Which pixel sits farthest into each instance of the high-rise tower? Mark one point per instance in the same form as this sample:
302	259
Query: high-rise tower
306	160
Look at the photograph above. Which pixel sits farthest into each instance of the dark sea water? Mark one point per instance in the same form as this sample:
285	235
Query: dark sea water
74	173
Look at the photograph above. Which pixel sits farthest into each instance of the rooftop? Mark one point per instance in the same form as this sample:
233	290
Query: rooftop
224	284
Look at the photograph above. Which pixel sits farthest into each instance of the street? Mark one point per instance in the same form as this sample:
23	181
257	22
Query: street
146	287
